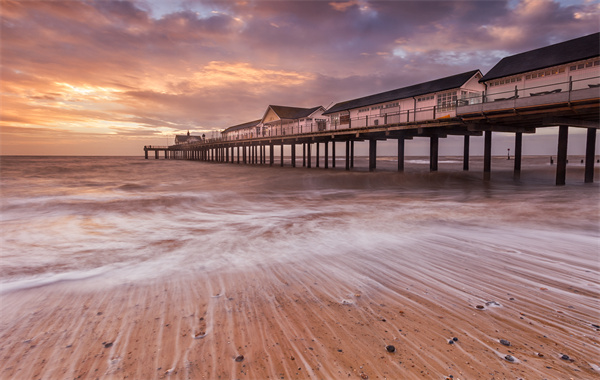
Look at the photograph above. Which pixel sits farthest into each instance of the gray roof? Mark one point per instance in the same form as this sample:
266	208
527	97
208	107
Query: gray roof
436	85
553	55
249	124
292	112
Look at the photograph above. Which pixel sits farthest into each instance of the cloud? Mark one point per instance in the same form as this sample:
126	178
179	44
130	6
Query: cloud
121	68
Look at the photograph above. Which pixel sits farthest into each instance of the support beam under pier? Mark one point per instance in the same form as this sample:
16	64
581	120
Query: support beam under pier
590	154
401	153
433	153
487	155
466	149
372	154
518	154
561	156
293	155
326	155
333	153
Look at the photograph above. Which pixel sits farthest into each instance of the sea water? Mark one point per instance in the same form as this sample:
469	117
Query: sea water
125	219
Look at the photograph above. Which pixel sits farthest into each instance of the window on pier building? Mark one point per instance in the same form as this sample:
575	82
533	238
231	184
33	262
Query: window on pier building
446	100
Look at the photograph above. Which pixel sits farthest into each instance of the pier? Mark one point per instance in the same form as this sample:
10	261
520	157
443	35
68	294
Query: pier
569	109
554	86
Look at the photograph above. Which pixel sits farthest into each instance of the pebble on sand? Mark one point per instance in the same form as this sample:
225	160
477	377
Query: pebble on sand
239	358
480	307
565	357
107	344
390	348
505	342
510	358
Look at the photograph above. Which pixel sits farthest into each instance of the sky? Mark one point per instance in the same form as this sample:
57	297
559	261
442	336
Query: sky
108	77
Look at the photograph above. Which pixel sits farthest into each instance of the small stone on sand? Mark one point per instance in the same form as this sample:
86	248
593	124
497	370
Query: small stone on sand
109	344
390	348
239	358
505	342
509	358
480	307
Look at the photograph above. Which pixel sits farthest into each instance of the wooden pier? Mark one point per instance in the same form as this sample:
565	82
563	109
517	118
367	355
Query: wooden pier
524	116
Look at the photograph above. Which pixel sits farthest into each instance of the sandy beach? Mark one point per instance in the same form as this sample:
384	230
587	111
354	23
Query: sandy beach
308	274
327	318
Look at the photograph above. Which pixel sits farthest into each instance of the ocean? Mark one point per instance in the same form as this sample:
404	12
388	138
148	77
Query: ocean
126	218
115	267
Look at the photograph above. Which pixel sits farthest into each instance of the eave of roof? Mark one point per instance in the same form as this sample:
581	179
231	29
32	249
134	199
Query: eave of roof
436	85
249	124
553	55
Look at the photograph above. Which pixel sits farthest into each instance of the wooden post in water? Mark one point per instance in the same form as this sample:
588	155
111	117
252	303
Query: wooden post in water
401	152
352	153
466	147
348	155
281	153
303	155
271	154
318	154
372	154
590	153
518	154
333	153
145	153
308	157
326	155
293	155
487	155
156	154
434	142
561	156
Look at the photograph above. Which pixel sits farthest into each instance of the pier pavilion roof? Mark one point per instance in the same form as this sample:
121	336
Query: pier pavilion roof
442	84
249	124
290	113
553	55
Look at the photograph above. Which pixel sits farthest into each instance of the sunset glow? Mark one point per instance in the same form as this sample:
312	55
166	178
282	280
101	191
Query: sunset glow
107	77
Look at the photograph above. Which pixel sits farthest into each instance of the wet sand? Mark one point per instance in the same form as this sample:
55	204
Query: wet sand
309	277
326	318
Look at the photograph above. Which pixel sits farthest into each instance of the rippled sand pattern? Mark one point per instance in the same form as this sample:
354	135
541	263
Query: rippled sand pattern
310	278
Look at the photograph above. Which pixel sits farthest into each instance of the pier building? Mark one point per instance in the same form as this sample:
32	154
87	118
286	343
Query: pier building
557	85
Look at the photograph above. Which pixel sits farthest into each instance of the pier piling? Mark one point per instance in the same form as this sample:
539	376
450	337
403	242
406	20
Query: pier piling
561	156
590	153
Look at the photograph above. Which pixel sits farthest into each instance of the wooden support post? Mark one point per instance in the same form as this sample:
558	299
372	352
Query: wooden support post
333	153
466	149
293	155
271	154
590	154
434	142
318	154
561	159
165	154
145	153
372	154
401	153
308	158
518	154
227	154
281	154
487	155
303	155
352	153
326	155
244	154
156	154
348	155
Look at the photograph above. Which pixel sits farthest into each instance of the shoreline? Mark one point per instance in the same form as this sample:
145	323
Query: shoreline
322	318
